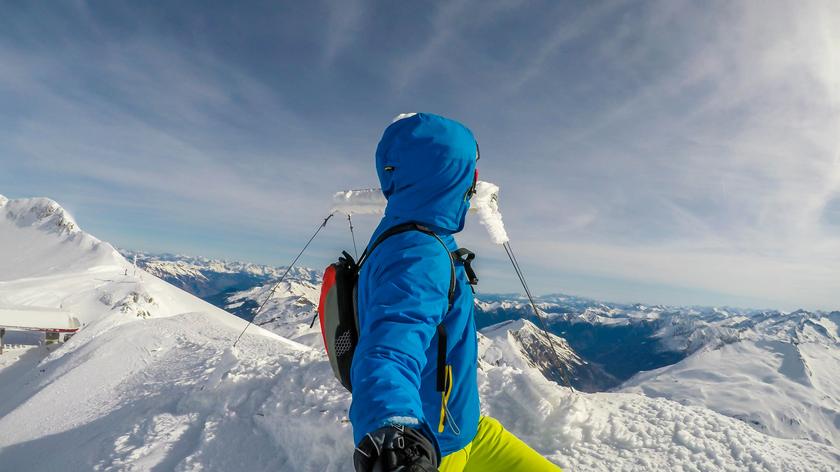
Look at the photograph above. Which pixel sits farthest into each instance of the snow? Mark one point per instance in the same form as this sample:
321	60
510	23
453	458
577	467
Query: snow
402	116
616	431
212	278
179	265
290	310
28	317
170	393
622	431
777	387
366	201
522	345
485	204
152	383
53	241
509	342
776	372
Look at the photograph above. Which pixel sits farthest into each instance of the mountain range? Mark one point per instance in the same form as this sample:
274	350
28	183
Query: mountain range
716	357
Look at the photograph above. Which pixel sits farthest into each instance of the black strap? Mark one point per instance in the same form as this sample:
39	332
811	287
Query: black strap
402	228
441	360
465	257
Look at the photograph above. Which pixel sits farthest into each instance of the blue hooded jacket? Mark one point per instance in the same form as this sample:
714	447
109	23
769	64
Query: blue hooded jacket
426	165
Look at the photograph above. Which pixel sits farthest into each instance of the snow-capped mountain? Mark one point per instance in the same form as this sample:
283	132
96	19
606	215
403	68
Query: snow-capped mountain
288	311
522	344
47	261
212	279
780	374
241	288
56	243
621	431
152	383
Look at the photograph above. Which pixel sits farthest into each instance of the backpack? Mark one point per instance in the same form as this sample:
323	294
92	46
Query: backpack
337	310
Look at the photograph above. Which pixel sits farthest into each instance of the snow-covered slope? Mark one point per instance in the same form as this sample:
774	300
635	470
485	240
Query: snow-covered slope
166	391
144	346
54	242
288	312
629	432
47	261
781	375
241	288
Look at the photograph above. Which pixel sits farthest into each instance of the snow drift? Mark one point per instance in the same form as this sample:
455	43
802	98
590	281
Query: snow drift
779	375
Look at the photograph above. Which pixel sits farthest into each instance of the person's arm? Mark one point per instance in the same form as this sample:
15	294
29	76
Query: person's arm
408	295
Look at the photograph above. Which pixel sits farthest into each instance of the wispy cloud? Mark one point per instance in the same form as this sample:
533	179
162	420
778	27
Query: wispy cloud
570	27
663	144
345	18
444	31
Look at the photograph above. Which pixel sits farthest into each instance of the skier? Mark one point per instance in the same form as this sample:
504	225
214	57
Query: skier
407	321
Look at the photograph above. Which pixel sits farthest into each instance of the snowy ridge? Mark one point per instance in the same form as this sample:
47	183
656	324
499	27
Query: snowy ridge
521	344
775	371
53	241
288	312
43	213
178	264
47	261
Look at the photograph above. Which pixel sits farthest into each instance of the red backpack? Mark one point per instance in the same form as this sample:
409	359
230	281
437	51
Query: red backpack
337	310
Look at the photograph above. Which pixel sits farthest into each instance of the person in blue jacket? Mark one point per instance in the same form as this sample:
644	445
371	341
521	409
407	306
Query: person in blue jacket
427	165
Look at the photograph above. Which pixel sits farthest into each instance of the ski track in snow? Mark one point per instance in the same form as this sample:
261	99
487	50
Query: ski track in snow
151	383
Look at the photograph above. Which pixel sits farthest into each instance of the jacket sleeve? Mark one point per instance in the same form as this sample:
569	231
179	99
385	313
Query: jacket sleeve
406	295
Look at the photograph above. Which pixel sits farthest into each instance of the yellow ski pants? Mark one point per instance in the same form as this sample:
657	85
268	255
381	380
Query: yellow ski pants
495	449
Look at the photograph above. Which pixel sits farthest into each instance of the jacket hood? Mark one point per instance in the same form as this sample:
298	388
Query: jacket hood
426	166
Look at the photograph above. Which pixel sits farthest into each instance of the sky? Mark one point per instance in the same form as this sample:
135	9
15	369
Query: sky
668	151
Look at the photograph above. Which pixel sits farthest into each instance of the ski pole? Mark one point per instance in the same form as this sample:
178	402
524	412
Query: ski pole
271	293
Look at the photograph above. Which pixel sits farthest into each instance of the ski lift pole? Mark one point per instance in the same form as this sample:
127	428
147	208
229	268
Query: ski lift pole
283	277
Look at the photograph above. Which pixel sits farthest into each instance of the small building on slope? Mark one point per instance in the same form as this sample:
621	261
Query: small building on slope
57	325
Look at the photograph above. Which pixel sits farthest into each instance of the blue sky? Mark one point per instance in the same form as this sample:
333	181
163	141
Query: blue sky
657	151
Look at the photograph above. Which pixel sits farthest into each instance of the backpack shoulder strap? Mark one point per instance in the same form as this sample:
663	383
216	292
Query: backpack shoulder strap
405	227
441	329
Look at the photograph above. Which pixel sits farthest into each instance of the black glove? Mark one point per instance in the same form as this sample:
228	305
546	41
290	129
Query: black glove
395	449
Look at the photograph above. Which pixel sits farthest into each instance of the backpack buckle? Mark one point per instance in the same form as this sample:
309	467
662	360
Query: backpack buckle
465	257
